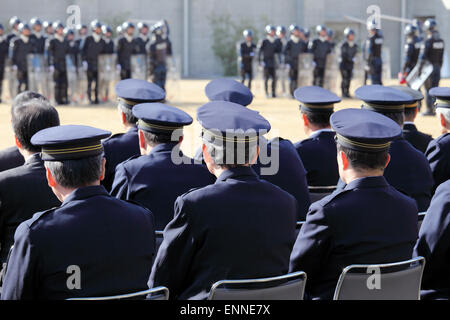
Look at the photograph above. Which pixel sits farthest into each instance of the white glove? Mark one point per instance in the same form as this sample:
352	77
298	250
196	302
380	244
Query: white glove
14	67
118	67
51	69
288	66
85	65
262	64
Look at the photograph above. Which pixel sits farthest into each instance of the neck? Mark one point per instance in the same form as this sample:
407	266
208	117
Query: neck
62	193
26	154
351	174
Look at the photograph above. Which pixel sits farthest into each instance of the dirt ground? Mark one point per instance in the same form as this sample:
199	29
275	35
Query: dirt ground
282	113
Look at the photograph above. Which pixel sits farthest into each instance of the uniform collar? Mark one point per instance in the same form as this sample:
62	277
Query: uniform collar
318	132
34	158
132	129
163	147
367	182
237	172
409	126
86	192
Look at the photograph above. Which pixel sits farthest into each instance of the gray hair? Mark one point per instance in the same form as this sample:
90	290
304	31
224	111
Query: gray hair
445	112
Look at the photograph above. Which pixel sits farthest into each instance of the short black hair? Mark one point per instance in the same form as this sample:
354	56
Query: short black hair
76	173
157	138
409	112
362	161
320	119
29	118
26	96
240	156
398	117
127	111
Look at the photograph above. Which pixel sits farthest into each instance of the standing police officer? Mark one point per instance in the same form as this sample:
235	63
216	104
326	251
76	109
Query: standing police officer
348	51
438	151
58	48
160	49
247	52
39	40
21	47
142	39
126	47
412	50
93	244
163	172
123	146
432	51
294	47
4	50
374	46
320	48
369	221
14	24
281	68
216	229
107	36
269	49
93	47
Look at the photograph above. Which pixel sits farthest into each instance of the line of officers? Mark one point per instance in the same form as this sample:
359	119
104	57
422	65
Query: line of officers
58	44
276	51
372	217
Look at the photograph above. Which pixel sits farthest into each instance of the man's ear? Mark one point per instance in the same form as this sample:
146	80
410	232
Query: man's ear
388	159
206	155
416	112
102	176
142	143
18	144
180	139
51	181
342	157
305	120
443	122
252	161
124	118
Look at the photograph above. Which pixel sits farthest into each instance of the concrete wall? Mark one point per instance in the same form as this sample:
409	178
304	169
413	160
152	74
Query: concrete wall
202	62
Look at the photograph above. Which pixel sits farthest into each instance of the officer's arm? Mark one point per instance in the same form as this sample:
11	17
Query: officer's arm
260	50
438	162
120	184
313	243
20	280
169	47
424	52
434	235
175	253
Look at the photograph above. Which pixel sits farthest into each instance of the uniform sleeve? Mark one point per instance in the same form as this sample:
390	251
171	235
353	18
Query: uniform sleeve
20	280
313	243
260	50
434	235
120	184
438	163
175	253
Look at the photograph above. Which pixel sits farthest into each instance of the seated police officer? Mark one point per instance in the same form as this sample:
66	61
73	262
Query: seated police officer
434	245
93	245
239	227
367	222
278	161
438	151
162	173
318	152
408	171
27	181
123	146
418	139
11	157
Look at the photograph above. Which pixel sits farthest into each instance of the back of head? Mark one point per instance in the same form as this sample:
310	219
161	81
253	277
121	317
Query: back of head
26	96
30	117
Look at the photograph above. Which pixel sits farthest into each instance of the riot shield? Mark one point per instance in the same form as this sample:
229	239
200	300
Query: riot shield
282	74
81	83
386	57
37	67
416	79
305	69
11	80
106	75
72	82
332	74
173	77
139	66
358	72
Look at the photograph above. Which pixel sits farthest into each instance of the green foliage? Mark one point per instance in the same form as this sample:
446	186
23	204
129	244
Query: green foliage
227	34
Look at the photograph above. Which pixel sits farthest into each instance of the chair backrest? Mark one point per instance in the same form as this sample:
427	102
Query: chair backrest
159	239
287	287
157	293
318	192
393	281
420	219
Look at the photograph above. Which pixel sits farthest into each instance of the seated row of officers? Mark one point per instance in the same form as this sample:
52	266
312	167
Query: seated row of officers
60	42
100	199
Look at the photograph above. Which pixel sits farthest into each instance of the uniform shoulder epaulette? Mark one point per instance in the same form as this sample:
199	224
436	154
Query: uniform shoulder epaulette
442	137
39	215
113	136
326	200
